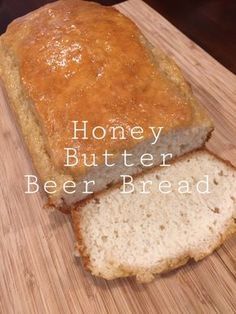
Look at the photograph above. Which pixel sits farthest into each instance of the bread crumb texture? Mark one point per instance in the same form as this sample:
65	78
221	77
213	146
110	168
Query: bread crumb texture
141	235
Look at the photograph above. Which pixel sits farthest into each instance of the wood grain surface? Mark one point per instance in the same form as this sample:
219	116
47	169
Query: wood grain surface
38	273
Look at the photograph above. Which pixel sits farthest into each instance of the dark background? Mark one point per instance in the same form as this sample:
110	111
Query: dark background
210	23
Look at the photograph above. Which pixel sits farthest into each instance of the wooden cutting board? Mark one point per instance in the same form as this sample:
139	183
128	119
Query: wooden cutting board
38	273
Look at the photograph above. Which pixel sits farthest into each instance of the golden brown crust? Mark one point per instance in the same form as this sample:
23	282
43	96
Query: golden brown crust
97	55
39	87
29	128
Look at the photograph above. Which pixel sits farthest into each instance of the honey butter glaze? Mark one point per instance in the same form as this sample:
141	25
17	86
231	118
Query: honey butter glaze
82	61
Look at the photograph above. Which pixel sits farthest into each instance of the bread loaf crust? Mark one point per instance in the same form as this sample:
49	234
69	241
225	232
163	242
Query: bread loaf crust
44	110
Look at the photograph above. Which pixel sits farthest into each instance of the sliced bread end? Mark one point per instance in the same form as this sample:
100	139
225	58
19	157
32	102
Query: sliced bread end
141	235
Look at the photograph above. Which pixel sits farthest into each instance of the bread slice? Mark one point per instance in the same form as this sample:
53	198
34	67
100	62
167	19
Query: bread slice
140	235
79	61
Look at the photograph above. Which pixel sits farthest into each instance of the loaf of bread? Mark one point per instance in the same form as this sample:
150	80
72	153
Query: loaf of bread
79	61
140	235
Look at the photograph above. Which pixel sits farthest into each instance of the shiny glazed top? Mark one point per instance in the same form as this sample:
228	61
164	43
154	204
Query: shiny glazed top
82	61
